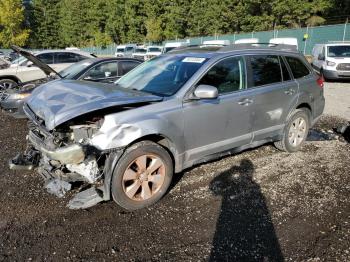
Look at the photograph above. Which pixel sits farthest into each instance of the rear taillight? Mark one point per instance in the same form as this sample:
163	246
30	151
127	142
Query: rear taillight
320	81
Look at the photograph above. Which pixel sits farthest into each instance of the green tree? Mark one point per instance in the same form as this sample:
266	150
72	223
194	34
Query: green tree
11	23
45	24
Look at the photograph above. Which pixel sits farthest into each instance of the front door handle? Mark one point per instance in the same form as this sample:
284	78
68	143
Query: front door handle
290	91
245	102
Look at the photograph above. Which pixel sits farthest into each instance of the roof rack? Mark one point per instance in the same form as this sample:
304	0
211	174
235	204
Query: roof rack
282	47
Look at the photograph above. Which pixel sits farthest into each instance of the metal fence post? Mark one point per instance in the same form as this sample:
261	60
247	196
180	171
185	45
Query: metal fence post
305	42
344	34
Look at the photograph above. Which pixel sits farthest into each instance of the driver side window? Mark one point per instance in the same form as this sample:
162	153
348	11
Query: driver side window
227	75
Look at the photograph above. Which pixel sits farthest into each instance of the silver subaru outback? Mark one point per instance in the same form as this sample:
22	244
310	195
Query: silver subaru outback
125	141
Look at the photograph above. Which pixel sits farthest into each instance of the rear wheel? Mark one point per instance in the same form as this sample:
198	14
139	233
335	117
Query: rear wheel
295	132
7	84
142	176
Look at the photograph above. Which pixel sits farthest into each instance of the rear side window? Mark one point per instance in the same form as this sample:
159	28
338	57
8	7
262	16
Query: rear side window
46	58
126	66
266	70
297	66
227	76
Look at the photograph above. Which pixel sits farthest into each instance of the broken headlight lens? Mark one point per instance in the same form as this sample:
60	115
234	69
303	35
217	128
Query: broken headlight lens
18	96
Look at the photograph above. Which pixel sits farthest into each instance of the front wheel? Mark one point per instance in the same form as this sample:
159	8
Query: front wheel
295	132
142	176
7	84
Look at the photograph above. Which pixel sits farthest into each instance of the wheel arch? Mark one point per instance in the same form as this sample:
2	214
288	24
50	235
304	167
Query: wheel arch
14	78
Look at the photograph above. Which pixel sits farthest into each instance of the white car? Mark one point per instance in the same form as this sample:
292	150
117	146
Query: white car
21	70
332	61
153	51
216	43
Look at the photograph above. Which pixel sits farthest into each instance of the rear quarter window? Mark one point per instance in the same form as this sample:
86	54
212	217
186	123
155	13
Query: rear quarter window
298	67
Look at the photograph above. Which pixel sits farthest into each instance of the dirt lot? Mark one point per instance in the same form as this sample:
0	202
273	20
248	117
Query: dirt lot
260	205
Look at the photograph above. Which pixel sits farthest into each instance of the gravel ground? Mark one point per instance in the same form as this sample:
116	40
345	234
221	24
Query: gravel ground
337	96
260	205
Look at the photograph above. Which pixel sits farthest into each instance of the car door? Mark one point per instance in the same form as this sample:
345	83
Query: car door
106	72
274	93
215	125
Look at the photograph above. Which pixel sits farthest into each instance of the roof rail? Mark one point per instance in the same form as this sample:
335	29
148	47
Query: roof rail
282	47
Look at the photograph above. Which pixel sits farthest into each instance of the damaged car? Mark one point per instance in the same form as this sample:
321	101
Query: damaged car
125	141
105	70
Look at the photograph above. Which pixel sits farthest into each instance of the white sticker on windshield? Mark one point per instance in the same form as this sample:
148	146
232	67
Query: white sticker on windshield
198	60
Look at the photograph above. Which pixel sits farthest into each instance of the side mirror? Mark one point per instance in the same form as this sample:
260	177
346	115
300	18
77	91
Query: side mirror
206	92
30	64
321	57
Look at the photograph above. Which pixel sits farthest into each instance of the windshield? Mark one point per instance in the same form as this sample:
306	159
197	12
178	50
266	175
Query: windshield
120	50
163	75
129	48
19	60
154	49
339	51
74	69
140	50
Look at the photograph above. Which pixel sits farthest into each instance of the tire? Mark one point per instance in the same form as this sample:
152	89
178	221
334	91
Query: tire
135	184
7	84
291	131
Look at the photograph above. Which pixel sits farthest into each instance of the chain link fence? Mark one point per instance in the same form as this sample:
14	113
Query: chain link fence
317	35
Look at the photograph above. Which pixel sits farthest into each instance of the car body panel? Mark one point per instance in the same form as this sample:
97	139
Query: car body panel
60	101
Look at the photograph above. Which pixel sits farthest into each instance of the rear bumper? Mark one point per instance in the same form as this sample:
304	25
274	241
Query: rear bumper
336	74
72	154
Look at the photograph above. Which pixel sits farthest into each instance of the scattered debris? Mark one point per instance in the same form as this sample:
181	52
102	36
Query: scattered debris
57	187
86	199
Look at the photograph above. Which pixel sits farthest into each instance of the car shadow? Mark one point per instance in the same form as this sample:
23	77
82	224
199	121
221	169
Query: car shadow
244	229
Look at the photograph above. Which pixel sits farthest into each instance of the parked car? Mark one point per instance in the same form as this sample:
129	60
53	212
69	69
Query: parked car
11	56
182	108
2	55
153	51
216	43
106	70
125	50
140	53
22	70
292	41
332	61
171	46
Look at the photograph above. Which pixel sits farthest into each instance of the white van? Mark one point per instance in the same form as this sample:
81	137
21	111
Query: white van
216	43
285	41
170	46
332	61
125	50
153	51
247	41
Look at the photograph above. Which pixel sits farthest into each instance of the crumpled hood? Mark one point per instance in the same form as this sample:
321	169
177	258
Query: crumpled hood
59	101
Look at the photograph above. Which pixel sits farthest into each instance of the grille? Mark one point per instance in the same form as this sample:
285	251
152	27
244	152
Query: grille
344	67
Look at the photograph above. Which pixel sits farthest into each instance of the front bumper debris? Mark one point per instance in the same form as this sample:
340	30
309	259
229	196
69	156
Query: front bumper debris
72	154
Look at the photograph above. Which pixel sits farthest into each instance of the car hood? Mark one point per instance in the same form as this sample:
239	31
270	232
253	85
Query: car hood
62	100
36	61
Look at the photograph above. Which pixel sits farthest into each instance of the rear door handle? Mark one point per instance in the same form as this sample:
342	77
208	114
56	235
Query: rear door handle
245	102
289	91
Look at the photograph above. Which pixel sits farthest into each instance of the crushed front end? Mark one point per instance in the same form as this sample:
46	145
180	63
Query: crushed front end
65	160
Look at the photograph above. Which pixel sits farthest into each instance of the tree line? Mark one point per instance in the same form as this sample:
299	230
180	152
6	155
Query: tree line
61	23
